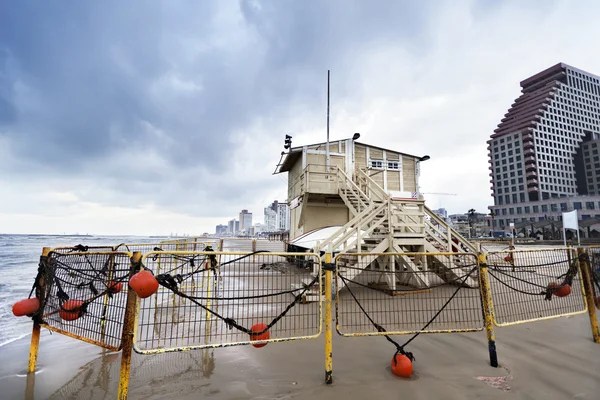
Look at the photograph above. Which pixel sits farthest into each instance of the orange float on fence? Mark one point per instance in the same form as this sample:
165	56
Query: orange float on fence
562	291
258	328
402	366
114	287
71	310
144	284
25	307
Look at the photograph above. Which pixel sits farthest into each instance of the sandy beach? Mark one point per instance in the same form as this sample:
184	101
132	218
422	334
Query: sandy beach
553	359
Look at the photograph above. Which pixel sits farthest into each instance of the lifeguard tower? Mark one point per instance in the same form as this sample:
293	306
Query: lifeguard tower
372	193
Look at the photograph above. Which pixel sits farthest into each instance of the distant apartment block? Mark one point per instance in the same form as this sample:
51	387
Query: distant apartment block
233	227
245	221
442	213
270	217
277	217
544	156
221	230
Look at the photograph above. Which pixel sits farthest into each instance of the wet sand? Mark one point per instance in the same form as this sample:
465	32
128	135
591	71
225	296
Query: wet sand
553	359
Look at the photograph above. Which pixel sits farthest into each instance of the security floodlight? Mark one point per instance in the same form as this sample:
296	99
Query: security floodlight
424	158
356	136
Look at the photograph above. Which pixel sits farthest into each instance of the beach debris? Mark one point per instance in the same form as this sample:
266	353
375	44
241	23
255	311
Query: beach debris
26	307
144	284
71	310
497	382
259	331
402	365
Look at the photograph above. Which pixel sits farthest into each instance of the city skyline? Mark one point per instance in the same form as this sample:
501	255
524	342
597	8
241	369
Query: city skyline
275	219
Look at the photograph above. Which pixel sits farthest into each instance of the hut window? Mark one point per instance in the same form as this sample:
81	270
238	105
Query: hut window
376	164
394	165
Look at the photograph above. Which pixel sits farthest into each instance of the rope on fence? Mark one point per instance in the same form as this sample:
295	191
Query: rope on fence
399	347
173	283
548	291
80	278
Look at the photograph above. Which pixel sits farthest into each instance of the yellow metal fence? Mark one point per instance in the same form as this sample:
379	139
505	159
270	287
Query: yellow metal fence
519	283
406	293
210	298
213	299
84	296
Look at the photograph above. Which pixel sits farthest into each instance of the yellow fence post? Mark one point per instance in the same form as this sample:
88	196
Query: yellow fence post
486	298
586	270
328	324
128	333
40	293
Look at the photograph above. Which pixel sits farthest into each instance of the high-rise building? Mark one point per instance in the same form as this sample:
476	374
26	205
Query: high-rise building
233	227
270	215
545	149
277	217
221	230
245	221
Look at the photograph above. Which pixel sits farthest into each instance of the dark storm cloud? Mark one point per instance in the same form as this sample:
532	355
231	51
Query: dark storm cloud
83	82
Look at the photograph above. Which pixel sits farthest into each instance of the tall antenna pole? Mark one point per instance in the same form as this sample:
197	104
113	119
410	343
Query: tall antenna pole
327	143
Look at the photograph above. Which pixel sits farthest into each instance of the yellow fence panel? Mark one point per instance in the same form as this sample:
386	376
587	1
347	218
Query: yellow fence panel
214	299
85	295
406	293
594	254
81	249
531	285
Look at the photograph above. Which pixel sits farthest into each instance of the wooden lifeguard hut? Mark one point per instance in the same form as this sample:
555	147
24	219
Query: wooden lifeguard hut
372	194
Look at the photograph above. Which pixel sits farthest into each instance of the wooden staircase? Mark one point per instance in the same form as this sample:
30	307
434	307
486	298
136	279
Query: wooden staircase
380	224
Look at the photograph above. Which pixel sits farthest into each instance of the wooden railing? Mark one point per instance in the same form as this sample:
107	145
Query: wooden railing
371	201
373	190
345	182
440	231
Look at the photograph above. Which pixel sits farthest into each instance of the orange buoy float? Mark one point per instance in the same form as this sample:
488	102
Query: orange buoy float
25	307
258	328
144	284
114	287
402	366
71	310
563	290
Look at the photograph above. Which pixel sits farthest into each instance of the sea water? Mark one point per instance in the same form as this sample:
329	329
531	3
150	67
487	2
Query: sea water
19	259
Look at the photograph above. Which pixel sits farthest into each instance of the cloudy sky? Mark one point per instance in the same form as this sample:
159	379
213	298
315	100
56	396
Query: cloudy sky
169	116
